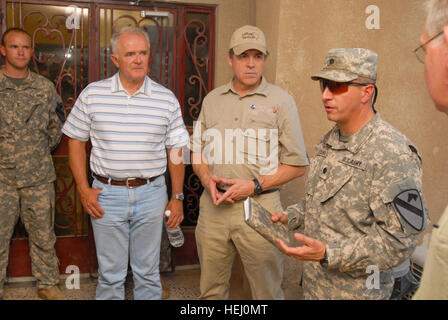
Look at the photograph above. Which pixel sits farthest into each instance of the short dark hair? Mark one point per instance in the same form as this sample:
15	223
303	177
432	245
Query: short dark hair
13	30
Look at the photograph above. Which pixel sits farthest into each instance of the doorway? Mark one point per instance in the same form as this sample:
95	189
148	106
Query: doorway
71	41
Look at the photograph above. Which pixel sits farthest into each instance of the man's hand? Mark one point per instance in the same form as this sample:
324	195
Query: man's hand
240	189
210	185
312	250
279	217
177	213
89	200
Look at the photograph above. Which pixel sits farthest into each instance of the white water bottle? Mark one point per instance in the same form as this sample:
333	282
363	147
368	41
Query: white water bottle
175	235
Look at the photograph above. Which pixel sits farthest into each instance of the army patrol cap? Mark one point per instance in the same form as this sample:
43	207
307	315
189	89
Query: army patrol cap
347	64
247	38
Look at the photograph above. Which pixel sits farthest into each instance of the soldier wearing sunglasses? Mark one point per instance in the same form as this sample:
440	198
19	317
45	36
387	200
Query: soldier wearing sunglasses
364	207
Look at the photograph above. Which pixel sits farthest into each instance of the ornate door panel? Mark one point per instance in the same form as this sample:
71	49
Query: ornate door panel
71	42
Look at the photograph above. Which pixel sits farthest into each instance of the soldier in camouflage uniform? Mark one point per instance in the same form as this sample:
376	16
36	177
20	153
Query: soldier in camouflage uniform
364	206
30	127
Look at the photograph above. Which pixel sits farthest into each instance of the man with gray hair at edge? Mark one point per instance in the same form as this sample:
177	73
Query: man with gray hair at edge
137	131
433	52
364	207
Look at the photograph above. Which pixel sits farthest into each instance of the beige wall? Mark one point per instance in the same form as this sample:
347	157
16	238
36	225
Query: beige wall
306	30
299	34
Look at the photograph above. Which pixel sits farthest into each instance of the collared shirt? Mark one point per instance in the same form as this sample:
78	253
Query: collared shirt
29	129
351	206
249	136
129	133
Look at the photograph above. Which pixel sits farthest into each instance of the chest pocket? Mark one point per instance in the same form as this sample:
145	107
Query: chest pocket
32	111
331	179
262	117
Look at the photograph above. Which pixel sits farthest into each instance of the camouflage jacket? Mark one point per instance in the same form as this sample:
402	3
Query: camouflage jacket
354	204
29	129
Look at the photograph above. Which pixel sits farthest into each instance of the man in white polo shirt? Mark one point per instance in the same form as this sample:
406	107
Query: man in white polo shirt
136	129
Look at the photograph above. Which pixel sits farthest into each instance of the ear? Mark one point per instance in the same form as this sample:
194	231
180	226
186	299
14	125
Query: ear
229	60
115	60
2	50
368	92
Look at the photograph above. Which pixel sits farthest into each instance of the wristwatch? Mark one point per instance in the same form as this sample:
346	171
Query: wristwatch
258	189
324	261
179	196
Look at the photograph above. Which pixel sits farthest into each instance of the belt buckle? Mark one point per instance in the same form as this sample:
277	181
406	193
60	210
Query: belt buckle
127	183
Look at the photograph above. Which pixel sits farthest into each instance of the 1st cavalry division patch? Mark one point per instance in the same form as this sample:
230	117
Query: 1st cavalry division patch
409	205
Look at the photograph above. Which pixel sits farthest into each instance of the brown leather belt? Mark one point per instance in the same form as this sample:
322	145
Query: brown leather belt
264	192
129	182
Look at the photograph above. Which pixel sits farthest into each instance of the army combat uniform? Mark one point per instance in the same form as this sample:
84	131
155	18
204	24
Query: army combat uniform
364	201
30	127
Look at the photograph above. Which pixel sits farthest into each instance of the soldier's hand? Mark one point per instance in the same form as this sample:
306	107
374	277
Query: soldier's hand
89	200
177	213
312	249
279	217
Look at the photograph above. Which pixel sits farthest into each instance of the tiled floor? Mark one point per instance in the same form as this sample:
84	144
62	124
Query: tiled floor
183	285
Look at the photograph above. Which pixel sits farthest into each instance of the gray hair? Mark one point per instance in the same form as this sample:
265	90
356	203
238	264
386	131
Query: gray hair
127	30
437	17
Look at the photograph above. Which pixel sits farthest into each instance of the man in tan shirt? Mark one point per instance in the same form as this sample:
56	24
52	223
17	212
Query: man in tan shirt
247	142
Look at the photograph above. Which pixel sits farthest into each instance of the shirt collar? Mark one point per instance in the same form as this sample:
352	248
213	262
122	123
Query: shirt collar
116	85
262	89
356	140
5	83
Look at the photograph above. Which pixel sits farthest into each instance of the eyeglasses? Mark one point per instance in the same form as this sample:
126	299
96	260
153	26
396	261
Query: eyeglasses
420	52
338	87
341	87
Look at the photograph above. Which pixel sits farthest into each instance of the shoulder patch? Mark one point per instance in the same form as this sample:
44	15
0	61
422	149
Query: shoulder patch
409	205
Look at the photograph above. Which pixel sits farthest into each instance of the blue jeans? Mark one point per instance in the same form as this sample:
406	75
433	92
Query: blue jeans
130	230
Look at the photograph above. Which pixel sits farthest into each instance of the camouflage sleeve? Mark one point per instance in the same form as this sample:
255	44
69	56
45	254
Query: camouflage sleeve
400	214
296	215
57	118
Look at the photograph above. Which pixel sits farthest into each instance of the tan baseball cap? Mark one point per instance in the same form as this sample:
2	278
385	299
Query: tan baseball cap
247	38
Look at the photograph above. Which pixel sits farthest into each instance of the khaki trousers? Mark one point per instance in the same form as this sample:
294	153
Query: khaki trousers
220	233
